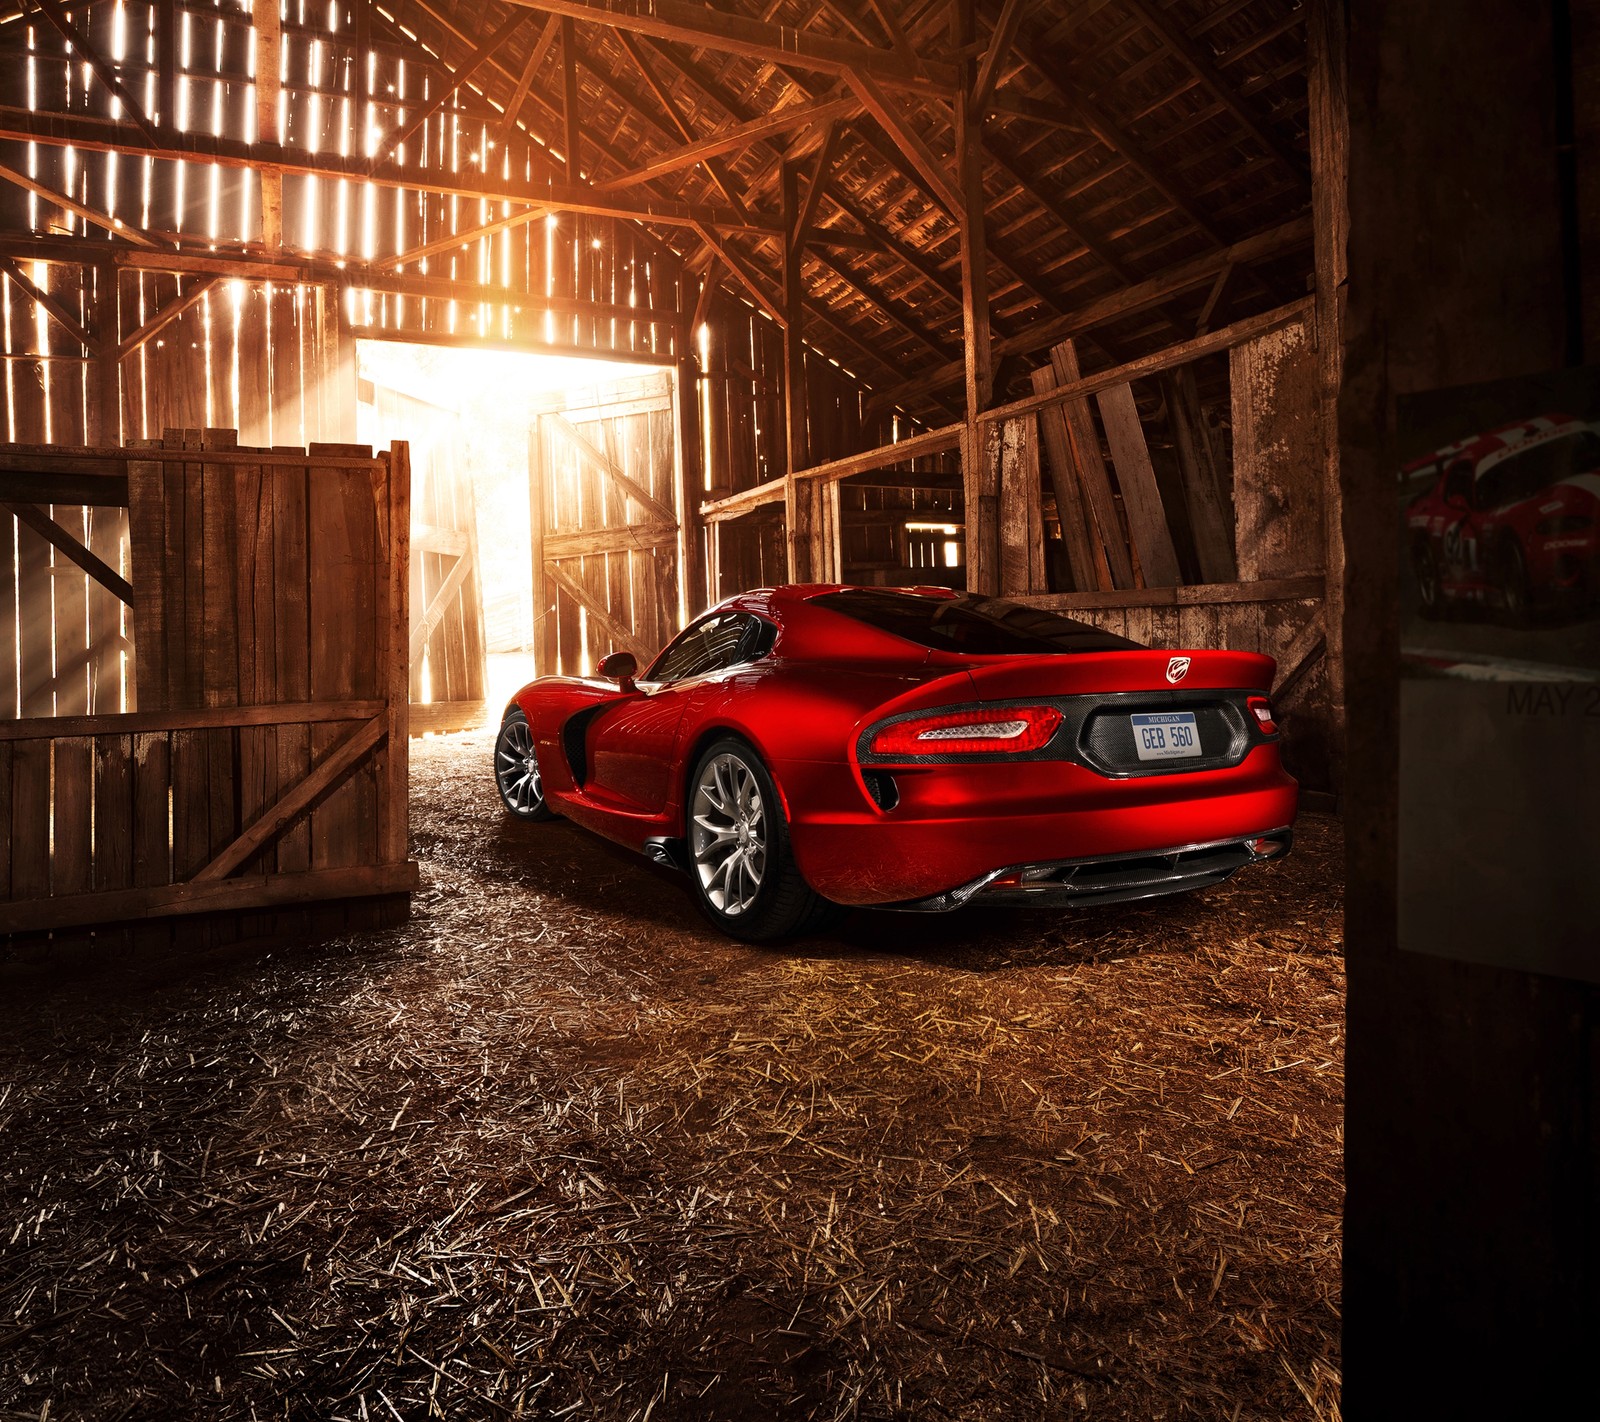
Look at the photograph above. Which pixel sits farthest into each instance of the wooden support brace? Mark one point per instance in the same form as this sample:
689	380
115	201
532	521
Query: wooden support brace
46	527
340	760
1141	498
603	462
439	605
57	312
622	636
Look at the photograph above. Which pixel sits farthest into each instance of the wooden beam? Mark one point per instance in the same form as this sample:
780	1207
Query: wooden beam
57	312
474	62
1153	364
519	91
701	27
47	528
620	635
114	225
1308	644
104	136
603	463
572	125
1000	42
594	542
1194	57
730	139
820	175
166	316
1194	595
801	513
336	764
207	896
102	70
267	23
423	628
1141	296
909	142
1136	477
456	240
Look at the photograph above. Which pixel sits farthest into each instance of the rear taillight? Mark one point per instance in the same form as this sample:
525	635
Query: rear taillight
1010	729
1261	710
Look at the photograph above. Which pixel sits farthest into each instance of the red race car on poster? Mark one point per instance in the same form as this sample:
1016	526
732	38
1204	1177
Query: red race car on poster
802	747
1512	521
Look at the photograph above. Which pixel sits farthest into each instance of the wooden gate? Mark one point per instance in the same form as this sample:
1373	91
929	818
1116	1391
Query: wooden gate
266	764
602	497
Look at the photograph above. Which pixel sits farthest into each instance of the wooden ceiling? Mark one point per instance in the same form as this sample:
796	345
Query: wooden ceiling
1124	139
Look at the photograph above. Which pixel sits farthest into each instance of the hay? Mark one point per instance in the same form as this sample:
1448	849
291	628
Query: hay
556	1150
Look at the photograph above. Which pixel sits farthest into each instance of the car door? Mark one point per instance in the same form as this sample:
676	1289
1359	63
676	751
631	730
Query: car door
631	744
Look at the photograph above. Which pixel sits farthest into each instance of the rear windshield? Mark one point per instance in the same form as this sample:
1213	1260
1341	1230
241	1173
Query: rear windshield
979	626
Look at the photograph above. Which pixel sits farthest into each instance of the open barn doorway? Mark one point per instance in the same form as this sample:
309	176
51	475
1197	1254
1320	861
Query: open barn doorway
545	516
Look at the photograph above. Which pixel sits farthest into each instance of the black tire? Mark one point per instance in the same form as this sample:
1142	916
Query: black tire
1511	574
1430	593
516	770
745	881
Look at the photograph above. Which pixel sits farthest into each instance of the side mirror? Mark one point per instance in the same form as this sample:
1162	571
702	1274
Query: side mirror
619	667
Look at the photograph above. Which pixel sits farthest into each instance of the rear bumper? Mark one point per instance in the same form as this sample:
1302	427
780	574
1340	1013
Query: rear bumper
1112	879
954	826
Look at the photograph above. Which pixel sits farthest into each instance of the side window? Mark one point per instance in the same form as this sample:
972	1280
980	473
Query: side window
711	644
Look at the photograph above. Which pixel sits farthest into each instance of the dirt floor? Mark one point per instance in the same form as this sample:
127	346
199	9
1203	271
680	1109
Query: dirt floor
555	1149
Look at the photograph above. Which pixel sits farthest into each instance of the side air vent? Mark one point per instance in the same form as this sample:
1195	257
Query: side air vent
880	785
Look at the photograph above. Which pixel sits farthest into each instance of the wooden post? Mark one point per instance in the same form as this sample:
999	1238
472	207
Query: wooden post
569	92
1014	445
395	682
691	481
269	45
544	620
800	502
1328	97
978	474
105	400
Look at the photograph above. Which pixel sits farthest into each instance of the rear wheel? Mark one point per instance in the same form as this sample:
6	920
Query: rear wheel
741	865
516	770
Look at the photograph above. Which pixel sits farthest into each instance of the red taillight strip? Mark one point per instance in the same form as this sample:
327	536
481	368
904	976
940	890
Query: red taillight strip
1014	730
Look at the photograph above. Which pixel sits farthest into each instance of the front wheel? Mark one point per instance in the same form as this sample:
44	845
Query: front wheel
516	770
742	868
1430	592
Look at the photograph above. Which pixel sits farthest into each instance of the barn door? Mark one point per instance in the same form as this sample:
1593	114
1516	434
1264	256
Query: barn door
602	495
448	667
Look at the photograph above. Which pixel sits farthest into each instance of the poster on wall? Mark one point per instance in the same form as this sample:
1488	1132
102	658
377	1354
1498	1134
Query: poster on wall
1498	525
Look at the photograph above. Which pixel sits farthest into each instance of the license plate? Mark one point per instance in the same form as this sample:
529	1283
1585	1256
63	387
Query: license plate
1165	735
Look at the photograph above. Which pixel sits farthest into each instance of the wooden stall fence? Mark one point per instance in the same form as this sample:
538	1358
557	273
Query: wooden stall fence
266	766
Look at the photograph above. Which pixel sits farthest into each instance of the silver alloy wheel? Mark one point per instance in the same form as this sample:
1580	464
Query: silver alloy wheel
517	769
729	834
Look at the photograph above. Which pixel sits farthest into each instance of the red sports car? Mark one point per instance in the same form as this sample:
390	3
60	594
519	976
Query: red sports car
1513	521
803	747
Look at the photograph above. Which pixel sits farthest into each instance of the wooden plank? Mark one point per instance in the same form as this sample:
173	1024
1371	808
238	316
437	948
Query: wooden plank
1197	594
620	636
330	769
1141	498
1091	467
63	539
1015	445
444	717
7	768
30	820
395	663
107	532
543	631
1204	479
598	459
35	626
207	896
43	728
217	652
292	614
113	812
70	613
72	850
8	621
147	563
1085	555
443	602
1279	465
